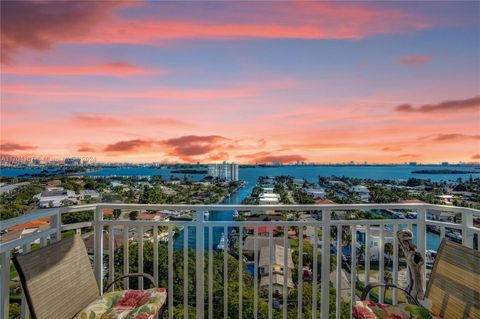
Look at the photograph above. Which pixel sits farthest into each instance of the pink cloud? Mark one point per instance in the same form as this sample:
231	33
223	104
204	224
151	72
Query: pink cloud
167	93
96	120
109	69
105	121
193	145
415	60
86	148
48	22
128	146
11	147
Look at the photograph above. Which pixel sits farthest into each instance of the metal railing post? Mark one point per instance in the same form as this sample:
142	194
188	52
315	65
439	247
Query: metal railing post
422	238
200	265
56	223
5	285
325	264
467	235
98	244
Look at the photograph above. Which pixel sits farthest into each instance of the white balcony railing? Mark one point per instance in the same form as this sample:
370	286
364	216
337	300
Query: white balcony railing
202	296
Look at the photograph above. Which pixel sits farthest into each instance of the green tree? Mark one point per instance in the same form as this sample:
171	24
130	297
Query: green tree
116	213
133	215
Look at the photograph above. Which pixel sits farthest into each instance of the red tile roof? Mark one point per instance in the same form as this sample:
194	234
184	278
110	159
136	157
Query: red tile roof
33	224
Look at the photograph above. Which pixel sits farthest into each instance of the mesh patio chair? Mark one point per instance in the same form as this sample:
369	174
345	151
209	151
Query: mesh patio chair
58	283
453	290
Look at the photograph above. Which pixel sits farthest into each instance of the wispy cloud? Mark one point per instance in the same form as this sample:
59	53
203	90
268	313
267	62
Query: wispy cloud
96	120
106	121
454	137
409	155
447	106
117	68
415	60
391	149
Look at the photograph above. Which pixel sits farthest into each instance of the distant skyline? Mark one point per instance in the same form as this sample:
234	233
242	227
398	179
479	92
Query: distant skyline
250	82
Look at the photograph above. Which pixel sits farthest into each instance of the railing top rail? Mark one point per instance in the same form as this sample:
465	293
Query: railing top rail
219	207
216	207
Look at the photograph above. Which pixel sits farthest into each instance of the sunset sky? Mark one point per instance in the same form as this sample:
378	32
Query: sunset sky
383	82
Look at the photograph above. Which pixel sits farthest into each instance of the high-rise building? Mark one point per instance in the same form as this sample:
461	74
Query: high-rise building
224	171
72	161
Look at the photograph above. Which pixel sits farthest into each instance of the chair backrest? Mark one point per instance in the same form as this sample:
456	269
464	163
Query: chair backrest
57	280
454	285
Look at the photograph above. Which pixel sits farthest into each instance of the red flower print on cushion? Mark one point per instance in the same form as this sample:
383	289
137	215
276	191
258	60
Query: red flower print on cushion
132	298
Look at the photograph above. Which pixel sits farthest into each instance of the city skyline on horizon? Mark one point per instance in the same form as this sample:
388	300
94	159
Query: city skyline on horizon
256	82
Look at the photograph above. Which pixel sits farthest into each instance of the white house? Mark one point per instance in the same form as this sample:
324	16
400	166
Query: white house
54	197
268	199
446	199
315	193
268	190
361	193
89	193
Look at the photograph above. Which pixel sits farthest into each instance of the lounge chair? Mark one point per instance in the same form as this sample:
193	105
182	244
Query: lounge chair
453	290
58	283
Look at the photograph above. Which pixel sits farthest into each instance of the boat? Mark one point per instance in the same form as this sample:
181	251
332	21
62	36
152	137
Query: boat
430	256
223	243
433	228
454	236
206	215
411	215
235	214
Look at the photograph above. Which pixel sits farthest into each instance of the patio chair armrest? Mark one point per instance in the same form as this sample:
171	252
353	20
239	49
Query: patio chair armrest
369	287
147	276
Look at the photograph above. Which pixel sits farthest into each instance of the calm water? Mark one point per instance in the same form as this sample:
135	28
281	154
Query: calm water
310	173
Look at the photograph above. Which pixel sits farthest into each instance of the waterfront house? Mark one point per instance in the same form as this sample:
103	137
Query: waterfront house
268	199
315	193
267	190
276	266
361	193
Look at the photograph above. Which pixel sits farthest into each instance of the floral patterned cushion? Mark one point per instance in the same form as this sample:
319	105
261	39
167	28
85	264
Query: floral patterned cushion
126	304
372	310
